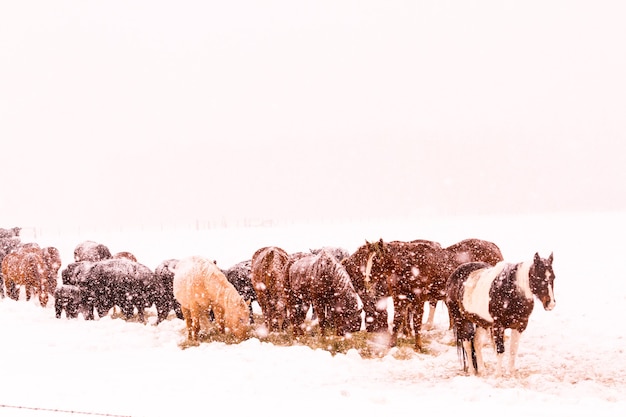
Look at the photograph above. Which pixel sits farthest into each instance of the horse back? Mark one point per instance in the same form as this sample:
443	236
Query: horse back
269	267
474	250
191	282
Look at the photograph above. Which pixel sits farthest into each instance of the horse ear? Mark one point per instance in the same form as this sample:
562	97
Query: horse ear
537	257
551	258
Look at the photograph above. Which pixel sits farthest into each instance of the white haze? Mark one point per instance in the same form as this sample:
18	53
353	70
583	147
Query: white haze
154	113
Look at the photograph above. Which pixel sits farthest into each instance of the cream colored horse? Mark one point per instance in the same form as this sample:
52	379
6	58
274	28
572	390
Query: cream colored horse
199	287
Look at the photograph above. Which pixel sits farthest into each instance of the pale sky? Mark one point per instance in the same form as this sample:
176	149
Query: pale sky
152	112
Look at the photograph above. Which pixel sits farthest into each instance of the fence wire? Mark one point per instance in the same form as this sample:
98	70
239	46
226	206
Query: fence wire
58	410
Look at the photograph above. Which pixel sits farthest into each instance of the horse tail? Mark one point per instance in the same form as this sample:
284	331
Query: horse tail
474	361
461	353
460	350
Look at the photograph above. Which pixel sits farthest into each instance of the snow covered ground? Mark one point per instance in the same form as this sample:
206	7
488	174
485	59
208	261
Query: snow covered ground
571	360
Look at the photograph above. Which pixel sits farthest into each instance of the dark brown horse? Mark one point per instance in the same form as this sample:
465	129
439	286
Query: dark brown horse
321	281
481	297
412	273
269	274
468	250
408	272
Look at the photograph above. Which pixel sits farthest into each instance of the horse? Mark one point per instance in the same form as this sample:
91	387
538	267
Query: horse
321	281
52	259
114	282
26	267
239	275
164	275
467	250
409	272
75	272
91	251
125	255
9	241
269	275
69	298
482	297
200	286
10	233
339	253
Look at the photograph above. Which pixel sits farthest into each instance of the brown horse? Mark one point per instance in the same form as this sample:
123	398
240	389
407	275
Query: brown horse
125	255
467	250
412	273
200	286
52	259
269	274
9	241
26	267
321	281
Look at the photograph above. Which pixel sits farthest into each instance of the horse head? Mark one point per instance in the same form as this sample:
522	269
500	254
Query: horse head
542	280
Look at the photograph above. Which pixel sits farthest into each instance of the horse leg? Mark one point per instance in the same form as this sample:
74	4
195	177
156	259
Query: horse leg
432	304
399	312
379	318
515	336
369	307
479	337
188	323
418	316
297	315
141	314
43	296
13	290
322	318
195	324
498	338
468	350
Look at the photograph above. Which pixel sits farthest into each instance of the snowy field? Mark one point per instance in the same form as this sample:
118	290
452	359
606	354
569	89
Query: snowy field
571	360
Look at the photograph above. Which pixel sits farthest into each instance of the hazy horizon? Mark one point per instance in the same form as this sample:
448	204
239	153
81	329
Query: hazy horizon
153	112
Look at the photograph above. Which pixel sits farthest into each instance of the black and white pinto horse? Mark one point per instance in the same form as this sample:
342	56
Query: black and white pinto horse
481	297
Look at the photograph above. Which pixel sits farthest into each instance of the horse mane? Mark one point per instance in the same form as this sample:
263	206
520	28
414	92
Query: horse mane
337	268
522	278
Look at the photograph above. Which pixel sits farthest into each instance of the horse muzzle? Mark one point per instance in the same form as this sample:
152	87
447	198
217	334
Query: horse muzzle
549	304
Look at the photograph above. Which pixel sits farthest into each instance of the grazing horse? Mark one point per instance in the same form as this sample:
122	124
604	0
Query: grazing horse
481	297
411	273
239	276
269	275
468	250
321	281
26	267
370	283
200	286
114	282
164	296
